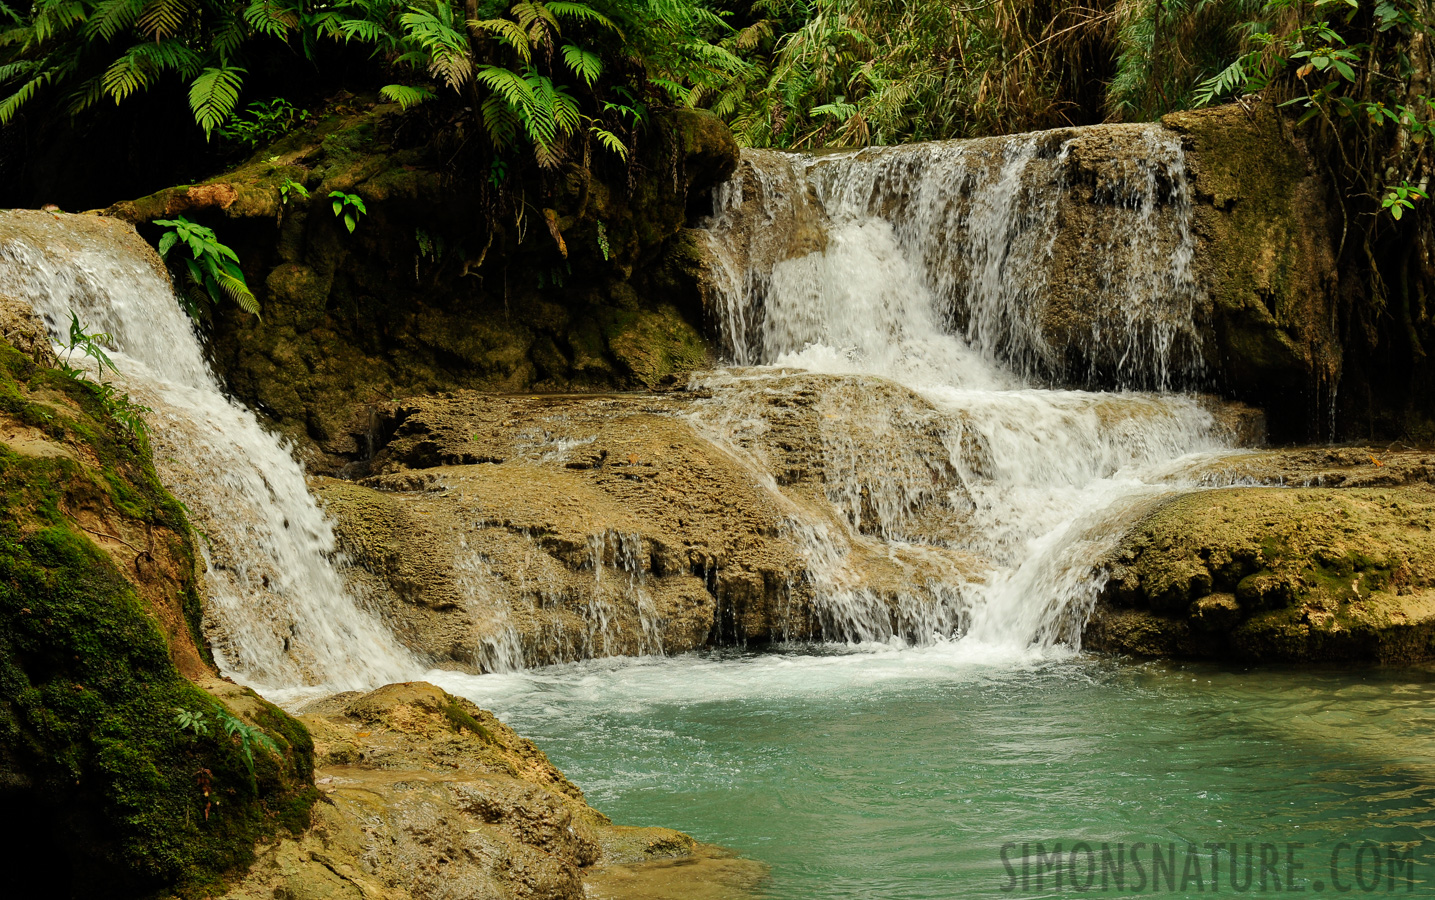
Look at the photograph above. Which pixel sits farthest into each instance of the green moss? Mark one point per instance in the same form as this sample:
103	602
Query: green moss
460	720
1316	573
89	748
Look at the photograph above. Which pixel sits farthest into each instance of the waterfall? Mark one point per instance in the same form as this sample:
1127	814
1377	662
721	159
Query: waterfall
279	616
963	495
918	339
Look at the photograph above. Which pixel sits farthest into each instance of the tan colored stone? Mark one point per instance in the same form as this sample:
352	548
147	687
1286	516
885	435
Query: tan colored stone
433	798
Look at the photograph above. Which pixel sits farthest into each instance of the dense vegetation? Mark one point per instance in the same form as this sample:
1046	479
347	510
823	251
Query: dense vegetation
523	94
559	77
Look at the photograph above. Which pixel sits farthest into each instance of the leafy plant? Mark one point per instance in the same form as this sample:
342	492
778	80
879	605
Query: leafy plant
210	271
118	404
91	345
246	736
348	207
190	721
1400	198
262	122
603	239
122	408
291	186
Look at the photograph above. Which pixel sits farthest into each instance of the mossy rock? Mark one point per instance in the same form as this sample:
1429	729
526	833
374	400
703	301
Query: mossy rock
1301	574
438	288
105	794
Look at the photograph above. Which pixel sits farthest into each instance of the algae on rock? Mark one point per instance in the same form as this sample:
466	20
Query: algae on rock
1312	574
105	795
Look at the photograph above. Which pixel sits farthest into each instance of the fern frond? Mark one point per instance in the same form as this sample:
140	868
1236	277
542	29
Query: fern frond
565	112
53	19
406	96
213	96
508	32
11	104
507	84
18	68
363	29
228	36
501	121
171	55
546	156
127	75
269	18
90	93
579	12
610	142
584	63
234	286
447	48
163	18
112	16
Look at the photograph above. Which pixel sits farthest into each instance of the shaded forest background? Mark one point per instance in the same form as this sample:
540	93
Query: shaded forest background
102	100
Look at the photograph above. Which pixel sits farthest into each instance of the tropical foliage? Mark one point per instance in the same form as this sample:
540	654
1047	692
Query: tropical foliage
550	75
209	271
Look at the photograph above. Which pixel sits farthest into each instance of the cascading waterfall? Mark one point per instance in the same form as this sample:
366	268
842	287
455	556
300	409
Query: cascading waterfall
905	312
279	616
933	273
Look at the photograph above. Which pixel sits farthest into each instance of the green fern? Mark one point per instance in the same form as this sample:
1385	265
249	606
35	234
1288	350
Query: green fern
586	64
406	96
210	271
163	18
213	96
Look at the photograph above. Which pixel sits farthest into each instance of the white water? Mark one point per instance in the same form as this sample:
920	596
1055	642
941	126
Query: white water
899	296
279	616
927	295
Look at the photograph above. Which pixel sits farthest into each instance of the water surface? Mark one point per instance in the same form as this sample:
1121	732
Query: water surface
901	773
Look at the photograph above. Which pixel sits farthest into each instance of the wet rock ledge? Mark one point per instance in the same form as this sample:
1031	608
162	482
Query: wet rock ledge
425	796
1338	565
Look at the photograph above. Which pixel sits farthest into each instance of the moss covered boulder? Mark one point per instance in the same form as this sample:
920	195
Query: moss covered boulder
1267	233
1302	574
120	775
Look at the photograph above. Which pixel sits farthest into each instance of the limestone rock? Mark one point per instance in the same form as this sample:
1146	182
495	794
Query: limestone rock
1308	574
500	531
428	797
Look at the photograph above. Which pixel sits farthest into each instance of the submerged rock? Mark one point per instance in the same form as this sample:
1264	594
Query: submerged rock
428	797
1311	574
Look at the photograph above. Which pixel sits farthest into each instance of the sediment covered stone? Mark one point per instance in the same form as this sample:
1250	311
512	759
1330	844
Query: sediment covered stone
428	797
1267	235
501	531
1307	574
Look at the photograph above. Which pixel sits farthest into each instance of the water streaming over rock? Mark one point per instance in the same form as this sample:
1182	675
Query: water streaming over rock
947	285
903	325
279	615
